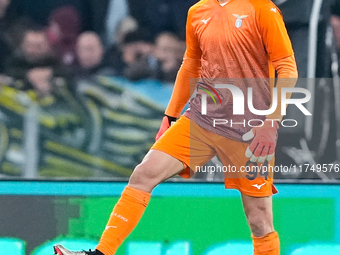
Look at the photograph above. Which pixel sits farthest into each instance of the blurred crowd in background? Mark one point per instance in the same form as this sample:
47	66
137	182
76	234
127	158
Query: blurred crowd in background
48	48
42	39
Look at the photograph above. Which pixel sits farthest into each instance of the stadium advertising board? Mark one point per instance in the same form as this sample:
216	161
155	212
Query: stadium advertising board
197	219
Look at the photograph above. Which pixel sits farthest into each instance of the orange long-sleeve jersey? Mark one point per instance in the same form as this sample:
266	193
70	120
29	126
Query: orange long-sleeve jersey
239	43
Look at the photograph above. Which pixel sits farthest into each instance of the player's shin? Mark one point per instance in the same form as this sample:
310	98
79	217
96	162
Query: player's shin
267	245
123	219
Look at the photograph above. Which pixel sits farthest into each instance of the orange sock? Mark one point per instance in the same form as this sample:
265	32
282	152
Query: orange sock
124	218
267	245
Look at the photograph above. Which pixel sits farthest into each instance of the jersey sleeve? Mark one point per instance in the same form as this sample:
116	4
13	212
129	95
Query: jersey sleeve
287	78
191	68
274	32
193	48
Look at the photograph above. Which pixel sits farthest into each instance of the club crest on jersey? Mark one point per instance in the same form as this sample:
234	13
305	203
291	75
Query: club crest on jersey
239	19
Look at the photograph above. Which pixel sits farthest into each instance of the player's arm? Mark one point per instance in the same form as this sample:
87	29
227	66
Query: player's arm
287	75
190	68
281	55
182	91
279	49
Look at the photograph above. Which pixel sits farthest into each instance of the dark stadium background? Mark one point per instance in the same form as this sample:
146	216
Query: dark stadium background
75	147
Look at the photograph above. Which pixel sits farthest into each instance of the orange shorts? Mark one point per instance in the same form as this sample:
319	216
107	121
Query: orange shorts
195	146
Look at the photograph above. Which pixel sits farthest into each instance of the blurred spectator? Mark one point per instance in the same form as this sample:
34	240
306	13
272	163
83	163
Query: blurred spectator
144	59
106	15
3	7
169	52
34	64
335	20
118	10
4	46
63	30
126	26
90	56
137	54
114	53
39	11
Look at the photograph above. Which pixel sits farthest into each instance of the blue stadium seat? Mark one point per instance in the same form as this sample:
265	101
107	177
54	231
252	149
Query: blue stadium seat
179	248
232	248
157	248
319	249
141	248
13	246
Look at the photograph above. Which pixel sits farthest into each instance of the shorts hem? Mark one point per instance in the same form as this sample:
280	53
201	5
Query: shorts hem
248	193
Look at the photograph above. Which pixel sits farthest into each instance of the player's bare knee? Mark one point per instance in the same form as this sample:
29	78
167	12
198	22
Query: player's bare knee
260	224
145	177
259	219
257	229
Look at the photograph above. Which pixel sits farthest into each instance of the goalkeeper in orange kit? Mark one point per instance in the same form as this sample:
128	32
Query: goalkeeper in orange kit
243	43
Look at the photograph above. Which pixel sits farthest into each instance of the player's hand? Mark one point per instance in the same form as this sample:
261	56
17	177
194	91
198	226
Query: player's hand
263	145
166	123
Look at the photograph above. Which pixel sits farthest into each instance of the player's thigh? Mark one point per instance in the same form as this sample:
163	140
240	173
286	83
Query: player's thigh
168	156
156	167
201	146
259	213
